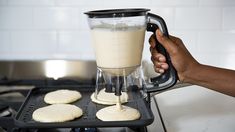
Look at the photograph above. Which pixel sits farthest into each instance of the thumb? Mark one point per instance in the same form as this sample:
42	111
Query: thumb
168	44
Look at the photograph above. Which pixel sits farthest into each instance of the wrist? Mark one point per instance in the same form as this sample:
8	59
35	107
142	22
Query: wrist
191	72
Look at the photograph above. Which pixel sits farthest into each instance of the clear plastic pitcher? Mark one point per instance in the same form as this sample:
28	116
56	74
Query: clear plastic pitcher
118	40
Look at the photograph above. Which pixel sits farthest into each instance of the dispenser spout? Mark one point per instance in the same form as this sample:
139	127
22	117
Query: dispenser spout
118	87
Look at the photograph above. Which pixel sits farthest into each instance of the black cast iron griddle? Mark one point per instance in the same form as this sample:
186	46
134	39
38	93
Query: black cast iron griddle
34	100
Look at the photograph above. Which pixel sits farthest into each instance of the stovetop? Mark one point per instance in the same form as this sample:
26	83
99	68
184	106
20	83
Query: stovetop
13	93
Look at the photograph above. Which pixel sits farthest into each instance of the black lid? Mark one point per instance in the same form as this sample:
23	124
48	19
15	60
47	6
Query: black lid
116	12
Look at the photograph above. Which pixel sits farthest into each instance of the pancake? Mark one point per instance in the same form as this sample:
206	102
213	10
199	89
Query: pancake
63	96
57	113
114	113
108	98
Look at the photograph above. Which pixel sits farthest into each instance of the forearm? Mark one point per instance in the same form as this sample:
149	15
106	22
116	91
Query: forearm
218	79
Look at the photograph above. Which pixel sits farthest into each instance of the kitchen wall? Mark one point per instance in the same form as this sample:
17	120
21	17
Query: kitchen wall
57	29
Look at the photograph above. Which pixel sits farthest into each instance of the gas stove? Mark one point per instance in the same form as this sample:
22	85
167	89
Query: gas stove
17	78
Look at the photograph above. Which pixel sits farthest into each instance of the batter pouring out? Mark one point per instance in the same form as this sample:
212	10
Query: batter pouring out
108	98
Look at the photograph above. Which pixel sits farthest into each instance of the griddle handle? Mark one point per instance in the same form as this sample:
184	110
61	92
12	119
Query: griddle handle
169	77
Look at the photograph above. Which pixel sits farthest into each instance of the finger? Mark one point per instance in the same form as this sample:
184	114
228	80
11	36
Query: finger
161	65
164	66
157	56
151	49
152	41
167	43
161	58
159	70
158	64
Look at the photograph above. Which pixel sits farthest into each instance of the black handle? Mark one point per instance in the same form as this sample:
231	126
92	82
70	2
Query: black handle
169	77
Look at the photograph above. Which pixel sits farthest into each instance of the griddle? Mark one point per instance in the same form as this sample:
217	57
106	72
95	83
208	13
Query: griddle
34	100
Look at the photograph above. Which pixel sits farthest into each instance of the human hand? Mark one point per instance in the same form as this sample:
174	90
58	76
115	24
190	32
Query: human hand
181	59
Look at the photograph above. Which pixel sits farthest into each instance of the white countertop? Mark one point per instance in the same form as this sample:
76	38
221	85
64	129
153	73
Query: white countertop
197	109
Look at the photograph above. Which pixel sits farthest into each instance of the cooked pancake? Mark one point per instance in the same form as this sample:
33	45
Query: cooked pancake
63	96
57	113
